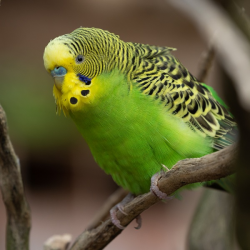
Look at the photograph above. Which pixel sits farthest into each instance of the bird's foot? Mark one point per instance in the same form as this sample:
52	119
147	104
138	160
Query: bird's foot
155	189
120	206
114	219
138	220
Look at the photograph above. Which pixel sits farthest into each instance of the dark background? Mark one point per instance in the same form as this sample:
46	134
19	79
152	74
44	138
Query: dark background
64	186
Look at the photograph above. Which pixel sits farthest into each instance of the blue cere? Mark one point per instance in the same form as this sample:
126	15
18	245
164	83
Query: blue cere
84	79
58	71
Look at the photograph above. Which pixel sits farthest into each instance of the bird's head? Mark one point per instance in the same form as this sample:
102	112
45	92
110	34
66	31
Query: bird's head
74	61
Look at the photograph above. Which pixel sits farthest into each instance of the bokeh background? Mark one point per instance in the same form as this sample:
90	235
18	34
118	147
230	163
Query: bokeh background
63	184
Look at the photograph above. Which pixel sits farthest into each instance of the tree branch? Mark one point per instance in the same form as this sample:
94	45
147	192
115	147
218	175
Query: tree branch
103	213
17	209
229	42
232	44
58	242
209	167
208	57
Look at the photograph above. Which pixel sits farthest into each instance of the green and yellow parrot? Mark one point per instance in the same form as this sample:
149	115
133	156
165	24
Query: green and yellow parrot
138	108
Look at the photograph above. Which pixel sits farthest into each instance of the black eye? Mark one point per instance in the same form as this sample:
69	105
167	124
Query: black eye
79	59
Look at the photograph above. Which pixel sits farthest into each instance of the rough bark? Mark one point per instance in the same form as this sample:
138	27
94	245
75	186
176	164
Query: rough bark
17	209
209	167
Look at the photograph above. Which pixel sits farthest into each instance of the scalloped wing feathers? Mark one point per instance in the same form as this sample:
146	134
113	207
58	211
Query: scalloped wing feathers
161	75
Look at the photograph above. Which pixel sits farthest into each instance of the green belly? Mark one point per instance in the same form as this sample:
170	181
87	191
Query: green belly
131	135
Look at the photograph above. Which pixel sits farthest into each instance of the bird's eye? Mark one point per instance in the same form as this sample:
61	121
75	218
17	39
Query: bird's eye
79	59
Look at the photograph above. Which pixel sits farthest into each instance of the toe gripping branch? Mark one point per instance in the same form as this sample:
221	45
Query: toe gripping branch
155	189
120	207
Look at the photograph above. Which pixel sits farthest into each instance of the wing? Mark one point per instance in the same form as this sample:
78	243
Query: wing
161	75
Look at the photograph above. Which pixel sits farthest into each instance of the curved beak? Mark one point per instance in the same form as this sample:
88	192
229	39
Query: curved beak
58	74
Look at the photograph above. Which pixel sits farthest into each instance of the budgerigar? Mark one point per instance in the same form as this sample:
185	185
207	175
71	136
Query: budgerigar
138	108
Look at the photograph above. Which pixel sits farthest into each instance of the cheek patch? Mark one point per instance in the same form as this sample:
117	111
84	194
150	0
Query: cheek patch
84	79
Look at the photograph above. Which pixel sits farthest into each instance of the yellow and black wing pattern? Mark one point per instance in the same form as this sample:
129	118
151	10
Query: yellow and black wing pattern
161	75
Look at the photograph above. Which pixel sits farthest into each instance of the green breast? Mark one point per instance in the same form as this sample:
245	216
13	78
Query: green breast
131	135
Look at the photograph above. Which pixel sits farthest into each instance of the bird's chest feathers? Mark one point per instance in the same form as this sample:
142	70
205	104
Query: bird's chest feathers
114	124
130	133
107	111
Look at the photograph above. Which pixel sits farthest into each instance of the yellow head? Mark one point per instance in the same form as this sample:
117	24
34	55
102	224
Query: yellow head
74	61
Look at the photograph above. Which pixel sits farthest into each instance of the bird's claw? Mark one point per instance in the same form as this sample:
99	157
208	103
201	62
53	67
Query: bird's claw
155	189
120	207
114	219
138	221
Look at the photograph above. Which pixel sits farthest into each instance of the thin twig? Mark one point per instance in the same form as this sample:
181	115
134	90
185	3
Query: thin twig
209	167
18	212
207	60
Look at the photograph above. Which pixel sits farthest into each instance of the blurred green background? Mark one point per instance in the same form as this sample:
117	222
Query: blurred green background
63	184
